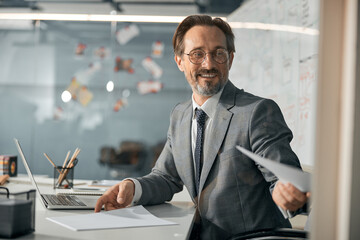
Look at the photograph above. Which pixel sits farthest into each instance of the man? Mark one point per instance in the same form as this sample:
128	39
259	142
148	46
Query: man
232	194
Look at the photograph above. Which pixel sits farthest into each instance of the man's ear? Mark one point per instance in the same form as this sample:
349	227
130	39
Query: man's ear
178	61
231	58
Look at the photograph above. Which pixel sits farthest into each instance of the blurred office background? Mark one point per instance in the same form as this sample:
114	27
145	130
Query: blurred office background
105	87
108	87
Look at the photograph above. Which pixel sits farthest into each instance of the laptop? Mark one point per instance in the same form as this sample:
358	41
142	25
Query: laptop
53	201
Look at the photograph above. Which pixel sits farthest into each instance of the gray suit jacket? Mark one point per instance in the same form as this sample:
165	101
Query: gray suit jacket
235	193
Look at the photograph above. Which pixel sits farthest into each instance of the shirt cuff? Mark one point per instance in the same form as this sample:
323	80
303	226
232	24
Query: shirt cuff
138	191
286	213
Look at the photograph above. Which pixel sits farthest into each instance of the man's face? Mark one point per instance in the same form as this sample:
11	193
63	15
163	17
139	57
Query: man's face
208	77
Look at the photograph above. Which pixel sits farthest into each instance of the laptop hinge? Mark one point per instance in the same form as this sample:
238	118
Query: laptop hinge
46	203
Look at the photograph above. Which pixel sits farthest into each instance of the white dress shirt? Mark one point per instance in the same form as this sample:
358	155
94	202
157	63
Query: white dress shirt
209	107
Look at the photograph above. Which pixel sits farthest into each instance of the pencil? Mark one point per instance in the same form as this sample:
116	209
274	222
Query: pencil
74	155
64	164
70	165
66	158
61	176
48	158
52	163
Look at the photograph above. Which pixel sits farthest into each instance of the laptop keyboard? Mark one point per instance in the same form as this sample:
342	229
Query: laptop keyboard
64	200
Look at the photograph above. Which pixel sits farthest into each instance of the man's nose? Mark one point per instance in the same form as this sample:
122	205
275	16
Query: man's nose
208	61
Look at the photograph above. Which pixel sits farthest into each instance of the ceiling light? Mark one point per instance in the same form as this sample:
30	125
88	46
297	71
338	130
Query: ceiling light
66	96
273	27
110	86
91	17
149	19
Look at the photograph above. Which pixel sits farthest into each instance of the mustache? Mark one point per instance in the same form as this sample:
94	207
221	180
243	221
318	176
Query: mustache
206	71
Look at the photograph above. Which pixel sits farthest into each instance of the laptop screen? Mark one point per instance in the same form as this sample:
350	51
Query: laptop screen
32	179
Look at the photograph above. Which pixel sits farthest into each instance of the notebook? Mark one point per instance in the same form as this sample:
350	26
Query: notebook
53	201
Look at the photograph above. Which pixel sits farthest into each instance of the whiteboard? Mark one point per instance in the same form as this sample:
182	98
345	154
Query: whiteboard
277	59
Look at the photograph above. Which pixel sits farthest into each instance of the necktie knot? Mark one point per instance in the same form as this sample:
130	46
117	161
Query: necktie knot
200	116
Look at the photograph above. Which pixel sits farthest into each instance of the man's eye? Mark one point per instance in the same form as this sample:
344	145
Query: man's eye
220	53
198	54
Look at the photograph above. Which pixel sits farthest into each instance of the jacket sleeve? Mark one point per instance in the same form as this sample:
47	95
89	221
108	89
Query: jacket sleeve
270	137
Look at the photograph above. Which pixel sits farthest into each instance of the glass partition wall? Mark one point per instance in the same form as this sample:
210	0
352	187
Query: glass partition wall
105	87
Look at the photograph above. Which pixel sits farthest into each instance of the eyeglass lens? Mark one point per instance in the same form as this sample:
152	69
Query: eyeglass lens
198	56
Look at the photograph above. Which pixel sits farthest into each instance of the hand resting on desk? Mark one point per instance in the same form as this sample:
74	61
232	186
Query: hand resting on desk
118	196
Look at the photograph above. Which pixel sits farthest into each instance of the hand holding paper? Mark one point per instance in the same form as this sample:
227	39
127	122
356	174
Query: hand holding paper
285	173
287	196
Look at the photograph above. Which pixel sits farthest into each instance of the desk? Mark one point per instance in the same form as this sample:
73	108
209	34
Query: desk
181	212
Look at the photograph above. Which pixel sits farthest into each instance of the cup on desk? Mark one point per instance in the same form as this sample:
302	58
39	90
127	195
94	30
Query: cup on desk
63	177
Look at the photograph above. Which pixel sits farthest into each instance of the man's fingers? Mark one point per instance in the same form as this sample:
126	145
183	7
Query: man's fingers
291	194
118	196
109	197
283	199
99	204
289	197
126	193
295	193
104	200
122	195
109	207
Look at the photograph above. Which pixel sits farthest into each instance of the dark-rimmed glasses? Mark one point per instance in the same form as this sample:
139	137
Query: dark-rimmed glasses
197	56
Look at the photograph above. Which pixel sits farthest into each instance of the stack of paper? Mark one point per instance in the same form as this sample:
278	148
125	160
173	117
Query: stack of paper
136	216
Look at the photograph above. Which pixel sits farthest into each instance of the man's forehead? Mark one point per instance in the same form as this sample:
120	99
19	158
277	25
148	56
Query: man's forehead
204	36
201	29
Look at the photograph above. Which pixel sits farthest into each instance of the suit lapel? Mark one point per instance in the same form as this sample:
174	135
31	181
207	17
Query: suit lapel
218	131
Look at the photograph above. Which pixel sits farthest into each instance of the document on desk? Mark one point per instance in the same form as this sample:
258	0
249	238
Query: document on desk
285	173
136	216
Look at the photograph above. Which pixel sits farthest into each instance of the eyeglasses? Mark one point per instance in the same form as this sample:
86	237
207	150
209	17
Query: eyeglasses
198	56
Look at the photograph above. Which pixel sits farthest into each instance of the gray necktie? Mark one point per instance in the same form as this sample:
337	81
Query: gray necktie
200	119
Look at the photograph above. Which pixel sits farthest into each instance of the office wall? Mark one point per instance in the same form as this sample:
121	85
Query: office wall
281	64
37	64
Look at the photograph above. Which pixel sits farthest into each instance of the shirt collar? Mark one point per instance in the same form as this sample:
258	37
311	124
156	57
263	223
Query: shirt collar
209	106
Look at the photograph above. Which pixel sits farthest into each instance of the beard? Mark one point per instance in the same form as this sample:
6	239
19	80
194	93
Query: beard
209	88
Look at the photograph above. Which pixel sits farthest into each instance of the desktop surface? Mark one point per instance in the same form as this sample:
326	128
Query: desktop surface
180	211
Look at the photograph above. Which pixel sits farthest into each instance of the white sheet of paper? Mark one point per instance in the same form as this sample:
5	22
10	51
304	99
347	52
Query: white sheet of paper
285	173
136	216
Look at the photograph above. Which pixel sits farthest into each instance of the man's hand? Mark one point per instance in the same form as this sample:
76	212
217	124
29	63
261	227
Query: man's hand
289	197
118	196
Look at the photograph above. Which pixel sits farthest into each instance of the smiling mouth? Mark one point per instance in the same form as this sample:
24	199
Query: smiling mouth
207	75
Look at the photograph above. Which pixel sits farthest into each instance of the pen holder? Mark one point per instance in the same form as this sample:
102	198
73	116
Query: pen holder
63	177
